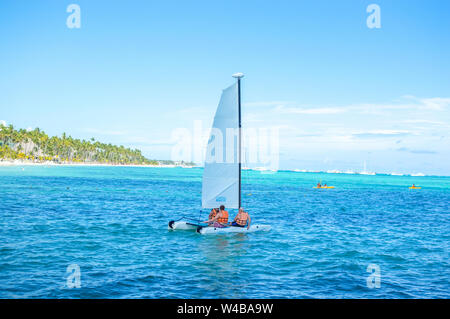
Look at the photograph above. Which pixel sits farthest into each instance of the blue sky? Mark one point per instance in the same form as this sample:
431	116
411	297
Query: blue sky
340	93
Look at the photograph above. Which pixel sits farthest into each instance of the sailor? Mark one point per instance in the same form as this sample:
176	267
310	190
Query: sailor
242	219
318	185
211	216
221	218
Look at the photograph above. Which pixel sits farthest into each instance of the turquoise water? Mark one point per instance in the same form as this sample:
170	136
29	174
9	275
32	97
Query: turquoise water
112	222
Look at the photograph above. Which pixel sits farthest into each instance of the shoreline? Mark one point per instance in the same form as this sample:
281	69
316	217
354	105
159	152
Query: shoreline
15	163
5	163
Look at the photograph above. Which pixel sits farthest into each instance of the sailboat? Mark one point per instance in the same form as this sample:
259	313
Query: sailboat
221	183
365	172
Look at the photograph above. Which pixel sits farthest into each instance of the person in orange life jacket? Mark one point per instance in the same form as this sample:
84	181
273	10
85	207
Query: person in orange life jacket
212	215
242	219
221	218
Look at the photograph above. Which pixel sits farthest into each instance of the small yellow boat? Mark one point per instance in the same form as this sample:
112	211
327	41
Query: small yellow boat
324	187
415	187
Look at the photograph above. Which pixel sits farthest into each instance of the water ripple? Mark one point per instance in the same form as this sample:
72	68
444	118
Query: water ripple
112	222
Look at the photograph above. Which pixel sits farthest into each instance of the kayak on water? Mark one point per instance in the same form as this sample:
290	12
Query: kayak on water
209	230
323	187
415	187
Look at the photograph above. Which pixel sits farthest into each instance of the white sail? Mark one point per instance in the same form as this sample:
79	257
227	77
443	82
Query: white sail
221	172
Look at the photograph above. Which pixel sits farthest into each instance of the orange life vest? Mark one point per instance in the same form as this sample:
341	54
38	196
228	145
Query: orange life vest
224	218
240	221
212	214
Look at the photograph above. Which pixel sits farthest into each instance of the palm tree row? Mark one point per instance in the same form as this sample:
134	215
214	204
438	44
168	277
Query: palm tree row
36	145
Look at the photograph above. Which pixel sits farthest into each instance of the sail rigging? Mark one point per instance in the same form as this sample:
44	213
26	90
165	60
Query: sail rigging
221	183
221	175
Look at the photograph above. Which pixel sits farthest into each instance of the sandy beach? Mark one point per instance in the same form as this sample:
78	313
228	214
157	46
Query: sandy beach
50	163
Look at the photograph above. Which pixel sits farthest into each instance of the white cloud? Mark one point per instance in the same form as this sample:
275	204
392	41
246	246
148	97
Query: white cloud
381	133
2	122
267	103
313	111
436	103
421	121
388	132
407	102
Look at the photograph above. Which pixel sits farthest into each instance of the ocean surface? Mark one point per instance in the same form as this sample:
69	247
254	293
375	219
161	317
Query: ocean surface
112	223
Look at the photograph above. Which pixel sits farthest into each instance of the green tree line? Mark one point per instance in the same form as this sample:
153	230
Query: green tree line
36	145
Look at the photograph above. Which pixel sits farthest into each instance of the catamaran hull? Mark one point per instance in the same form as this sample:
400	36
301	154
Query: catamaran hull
213	230
182	225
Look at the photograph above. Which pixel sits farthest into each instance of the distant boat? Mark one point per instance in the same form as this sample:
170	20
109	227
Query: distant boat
221	184
365	172
368	173
418	174
264	169
396	174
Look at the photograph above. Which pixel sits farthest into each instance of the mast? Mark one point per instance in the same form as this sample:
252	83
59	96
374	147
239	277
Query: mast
238	76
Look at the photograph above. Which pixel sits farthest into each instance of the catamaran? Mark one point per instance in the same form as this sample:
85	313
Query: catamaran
221	183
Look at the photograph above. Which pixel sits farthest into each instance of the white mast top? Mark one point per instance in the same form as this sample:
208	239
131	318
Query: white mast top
238	75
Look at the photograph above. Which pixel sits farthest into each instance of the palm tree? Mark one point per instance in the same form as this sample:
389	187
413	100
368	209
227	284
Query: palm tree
36	144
